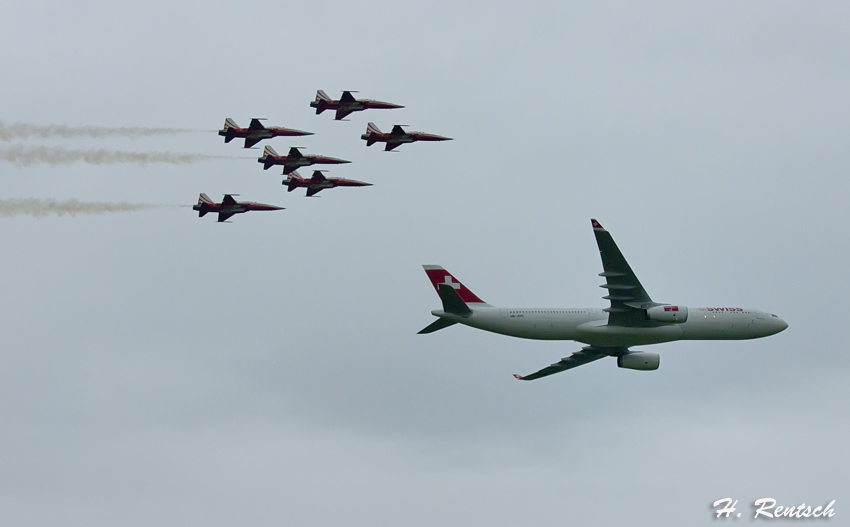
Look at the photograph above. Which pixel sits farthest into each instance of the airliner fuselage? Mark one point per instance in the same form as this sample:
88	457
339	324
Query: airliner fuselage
590	325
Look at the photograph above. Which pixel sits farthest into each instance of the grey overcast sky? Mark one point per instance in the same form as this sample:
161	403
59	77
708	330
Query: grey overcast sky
160	369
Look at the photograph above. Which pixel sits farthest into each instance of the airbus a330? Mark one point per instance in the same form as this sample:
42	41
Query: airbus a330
632	319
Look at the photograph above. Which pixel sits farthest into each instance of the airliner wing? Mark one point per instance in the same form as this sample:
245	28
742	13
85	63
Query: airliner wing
627	296
587	354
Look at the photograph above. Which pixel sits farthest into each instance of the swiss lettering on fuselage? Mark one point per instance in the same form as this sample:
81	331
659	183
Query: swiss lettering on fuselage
727	309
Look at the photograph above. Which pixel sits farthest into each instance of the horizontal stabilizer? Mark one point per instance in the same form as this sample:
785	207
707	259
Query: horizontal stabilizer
452	303
437	325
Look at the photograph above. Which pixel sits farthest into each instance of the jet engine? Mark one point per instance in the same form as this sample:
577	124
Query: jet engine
669	314
639	361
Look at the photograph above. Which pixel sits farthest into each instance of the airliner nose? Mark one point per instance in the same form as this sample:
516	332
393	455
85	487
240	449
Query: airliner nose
777	324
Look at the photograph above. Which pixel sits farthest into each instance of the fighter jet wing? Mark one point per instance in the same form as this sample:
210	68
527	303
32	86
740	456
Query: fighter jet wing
627	296
397	130
587	354
341	114
312	191
250	141
256	125
228	200
222	216
289	169
391	146
347	97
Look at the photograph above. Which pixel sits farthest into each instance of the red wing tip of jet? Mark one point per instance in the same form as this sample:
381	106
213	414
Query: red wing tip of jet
518	377
596	224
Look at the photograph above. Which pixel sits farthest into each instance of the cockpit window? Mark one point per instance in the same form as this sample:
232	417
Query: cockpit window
774	316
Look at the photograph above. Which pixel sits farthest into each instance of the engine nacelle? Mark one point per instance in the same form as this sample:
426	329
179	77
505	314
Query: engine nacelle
669	314
639	361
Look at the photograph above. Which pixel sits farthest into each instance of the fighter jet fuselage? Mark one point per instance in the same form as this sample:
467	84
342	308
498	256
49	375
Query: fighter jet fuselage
347	104
256	132
397	136
295	160
228	206
319	182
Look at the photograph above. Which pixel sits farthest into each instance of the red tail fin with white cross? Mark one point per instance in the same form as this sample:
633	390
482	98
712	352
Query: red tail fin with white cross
438	275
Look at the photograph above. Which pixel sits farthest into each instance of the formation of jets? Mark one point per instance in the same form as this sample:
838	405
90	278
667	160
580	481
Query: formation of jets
294	159
632	318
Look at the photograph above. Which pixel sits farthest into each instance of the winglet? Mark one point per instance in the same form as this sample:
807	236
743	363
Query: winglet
596	225
518	377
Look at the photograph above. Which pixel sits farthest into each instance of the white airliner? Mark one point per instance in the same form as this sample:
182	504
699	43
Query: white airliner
633	319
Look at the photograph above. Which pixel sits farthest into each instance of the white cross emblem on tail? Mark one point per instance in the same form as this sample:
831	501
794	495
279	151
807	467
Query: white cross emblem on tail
449	281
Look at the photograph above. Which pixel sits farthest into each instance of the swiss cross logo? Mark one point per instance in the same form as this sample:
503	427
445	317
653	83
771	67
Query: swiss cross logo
449	281
671	308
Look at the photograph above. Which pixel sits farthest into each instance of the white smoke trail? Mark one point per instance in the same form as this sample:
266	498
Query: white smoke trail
24	156
19	130
39	208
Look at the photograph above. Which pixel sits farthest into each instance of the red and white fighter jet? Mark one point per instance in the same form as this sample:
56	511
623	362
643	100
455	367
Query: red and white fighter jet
294	160
228	206
256	132
347	104
397	137
319	182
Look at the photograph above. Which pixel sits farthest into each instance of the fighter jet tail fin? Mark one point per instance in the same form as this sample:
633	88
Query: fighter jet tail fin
268	157
203	200
322	96
371	135
229	130
294	179
321	103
